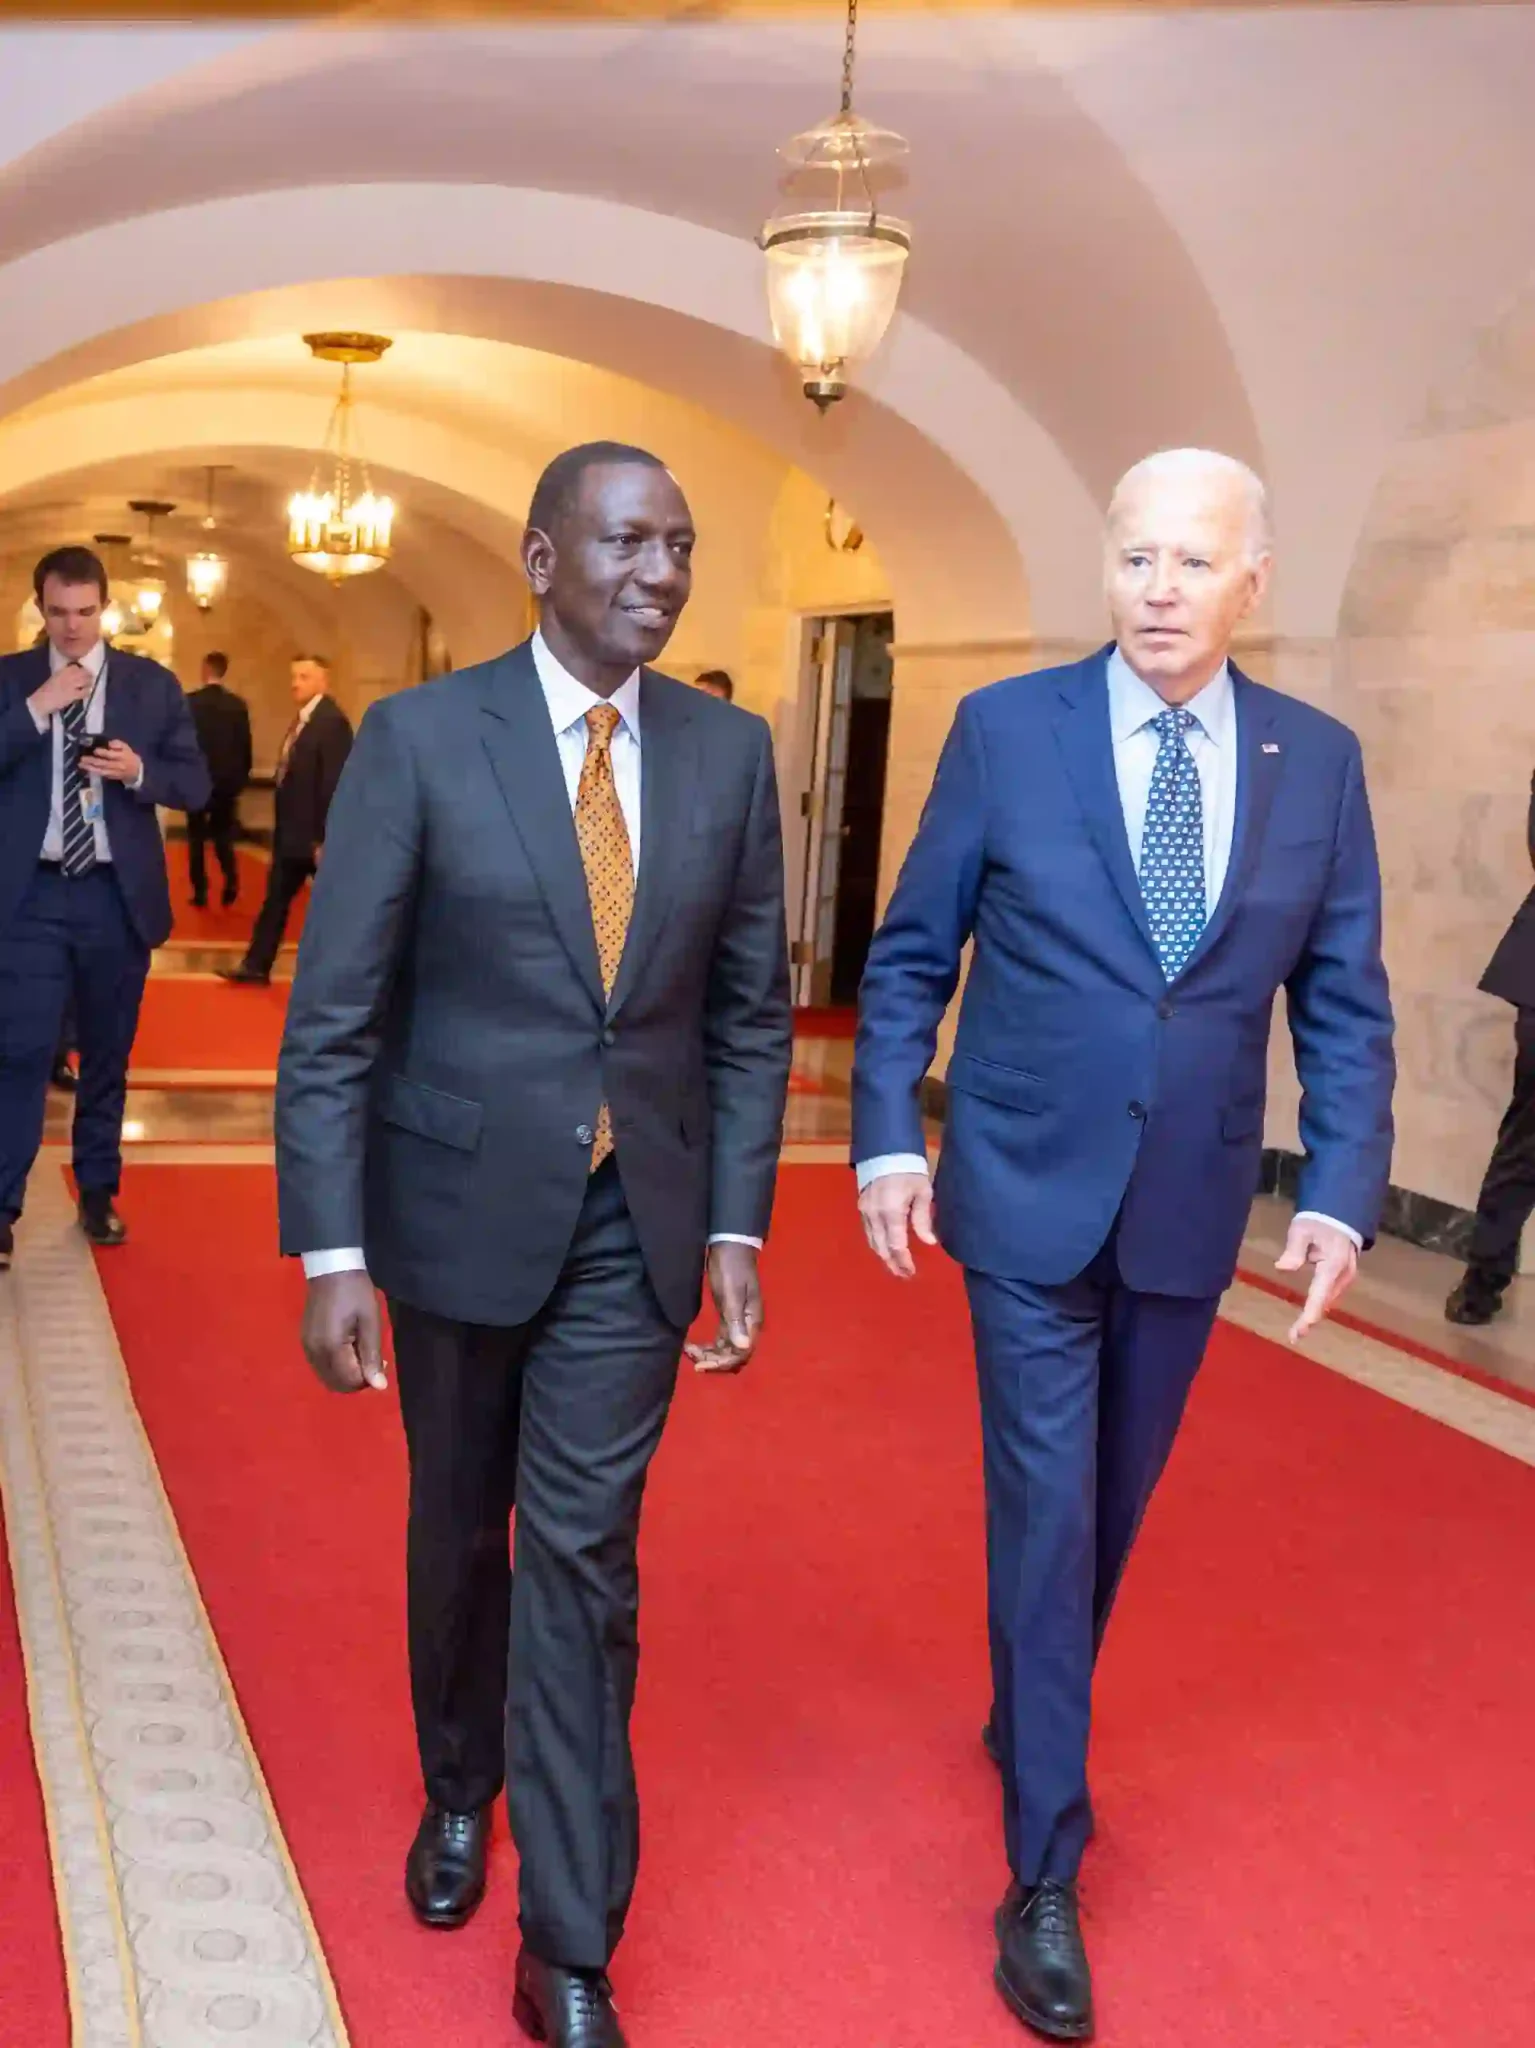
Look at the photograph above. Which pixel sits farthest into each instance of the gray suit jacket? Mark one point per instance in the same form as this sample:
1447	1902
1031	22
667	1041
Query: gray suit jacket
448	1044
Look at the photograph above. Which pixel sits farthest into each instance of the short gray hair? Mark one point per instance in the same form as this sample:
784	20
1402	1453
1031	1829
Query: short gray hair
1173	462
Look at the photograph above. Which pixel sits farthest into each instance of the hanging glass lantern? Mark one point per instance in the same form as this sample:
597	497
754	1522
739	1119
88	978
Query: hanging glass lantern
834	270
207	570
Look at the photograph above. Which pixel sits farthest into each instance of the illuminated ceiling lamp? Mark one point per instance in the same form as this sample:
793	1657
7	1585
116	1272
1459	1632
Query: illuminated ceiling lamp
333	529
207	570
149	586
834	271
113	614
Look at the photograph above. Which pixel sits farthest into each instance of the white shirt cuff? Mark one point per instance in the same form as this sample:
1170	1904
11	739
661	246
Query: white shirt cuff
41	719
730	1237
349	1260
889	1162
1316	1216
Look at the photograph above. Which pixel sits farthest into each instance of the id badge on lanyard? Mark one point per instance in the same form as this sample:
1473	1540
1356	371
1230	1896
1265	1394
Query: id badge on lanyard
92	807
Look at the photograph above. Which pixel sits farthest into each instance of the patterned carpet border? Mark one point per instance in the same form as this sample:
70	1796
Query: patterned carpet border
181	1914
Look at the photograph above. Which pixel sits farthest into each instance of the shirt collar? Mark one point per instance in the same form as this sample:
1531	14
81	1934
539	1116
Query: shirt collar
307	711
92	663
1134	703
569	700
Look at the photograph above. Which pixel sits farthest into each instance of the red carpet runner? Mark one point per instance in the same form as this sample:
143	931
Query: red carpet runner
196	1025
215	924
34	2006
1312	1771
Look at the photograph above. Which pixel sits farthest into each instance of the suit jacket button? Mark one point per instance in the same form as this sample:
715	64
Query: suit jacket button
584	1134
610	1037
1137	1109
1166	1010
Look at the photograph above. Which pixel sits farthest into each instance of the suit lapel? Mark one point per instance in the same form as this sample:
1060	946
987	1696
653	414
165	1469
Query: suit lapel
668	776
525	756
1258	764
1086	741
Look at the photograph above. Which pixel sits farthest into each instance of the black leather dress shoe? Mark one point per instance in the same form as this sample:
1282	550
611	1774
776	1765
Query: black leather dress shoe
1042	1970
1473	1303
198	902
100	1221
445	1870
7	1247
243	976
63	1075
565	2008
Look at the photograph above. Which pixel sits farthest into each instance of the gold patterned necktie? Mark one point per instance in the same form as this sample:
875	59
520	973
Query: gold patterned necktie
608	860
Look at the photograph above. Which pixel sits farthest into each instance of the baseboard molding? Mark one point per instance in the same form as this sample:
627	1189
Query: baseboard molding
1417	1219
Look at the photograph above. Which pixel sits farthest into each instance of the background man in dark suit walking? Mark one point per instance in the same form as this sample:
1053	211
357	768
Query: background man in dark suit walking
536	1060
223	724
1507	1198
314	752
90	742
1145	848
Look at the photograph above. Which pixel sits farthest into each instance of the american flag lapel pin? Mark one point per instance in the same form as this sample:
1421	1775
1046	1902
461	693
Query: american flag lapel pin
1271	746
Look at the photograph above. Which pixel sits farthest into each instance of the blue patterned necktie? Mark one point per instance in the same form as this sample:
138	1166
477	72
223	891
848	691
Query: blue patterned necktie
1173	845
79	853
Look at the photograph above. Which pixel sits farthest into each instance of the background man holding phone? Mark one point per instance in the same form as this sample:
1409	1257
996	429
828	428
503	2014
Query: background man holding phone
90	742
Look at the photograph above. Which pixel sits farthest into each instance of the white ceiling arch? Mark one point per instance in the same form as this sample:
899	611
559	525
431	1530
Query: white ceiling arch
957	486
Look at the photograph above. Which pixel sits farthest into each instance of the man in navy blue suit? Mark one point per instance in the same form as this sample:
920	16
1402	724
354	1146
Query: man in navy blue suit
91	740
1144	848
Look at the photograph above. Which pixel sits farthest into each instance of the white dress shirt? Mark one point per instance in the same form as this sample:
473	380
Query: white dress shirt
568	701
1133	708
95	723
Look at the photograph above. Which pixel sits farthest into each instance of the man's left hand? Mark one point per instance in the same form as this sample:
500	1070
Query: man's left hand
1334	1259
115	762
737	1294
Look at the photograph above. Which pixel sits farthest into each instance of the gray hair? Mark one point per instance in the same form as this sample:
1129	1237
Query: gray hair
1186	462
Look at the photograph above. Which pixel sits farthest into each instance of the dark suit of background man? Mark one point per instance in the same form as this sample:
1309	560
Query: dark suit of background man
536	1060
90	742
223	723
314	752
1145	847
1507	1199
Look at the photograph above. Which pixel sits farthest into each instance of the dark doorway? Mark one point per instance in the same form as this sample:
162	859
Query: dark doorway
863	807
849	657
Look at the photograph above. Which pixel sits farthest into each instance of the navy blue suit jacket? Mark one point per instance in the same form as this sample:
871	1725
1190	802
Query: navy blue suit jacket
145	707
1081	1082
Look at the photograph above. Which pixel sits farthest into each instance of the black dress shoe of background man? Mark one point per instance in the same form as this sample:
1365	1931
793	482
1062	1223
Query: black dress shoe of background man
243	976
445	1870
565	2008
1474	1302
7	1246
100	1221
1042	1970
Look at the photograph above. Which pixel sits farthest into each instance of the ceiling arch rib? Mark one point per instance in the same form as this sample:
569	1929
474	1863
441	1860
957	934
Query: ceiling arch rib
956	484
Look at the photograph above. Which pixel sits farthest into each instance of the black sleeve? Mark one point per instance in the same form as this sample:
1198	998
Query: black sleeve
748	1022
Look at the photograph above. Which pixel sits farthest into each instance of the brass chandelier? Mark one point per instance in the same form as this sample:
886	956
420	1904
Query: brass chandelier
335	528
834	270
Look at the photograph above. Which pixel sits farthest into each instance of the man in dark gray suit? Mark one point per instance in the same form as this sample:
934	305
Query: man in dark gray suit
536	1061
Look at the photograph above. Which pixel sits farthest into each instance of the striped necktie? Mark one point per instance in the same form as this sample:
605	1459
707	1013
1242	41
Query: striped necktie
608	859
79	855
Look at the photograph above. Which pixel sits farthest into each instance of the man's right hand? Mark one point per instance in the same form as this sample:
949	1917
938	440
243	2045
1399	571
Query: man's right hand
69	686
343	1332
892	1207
